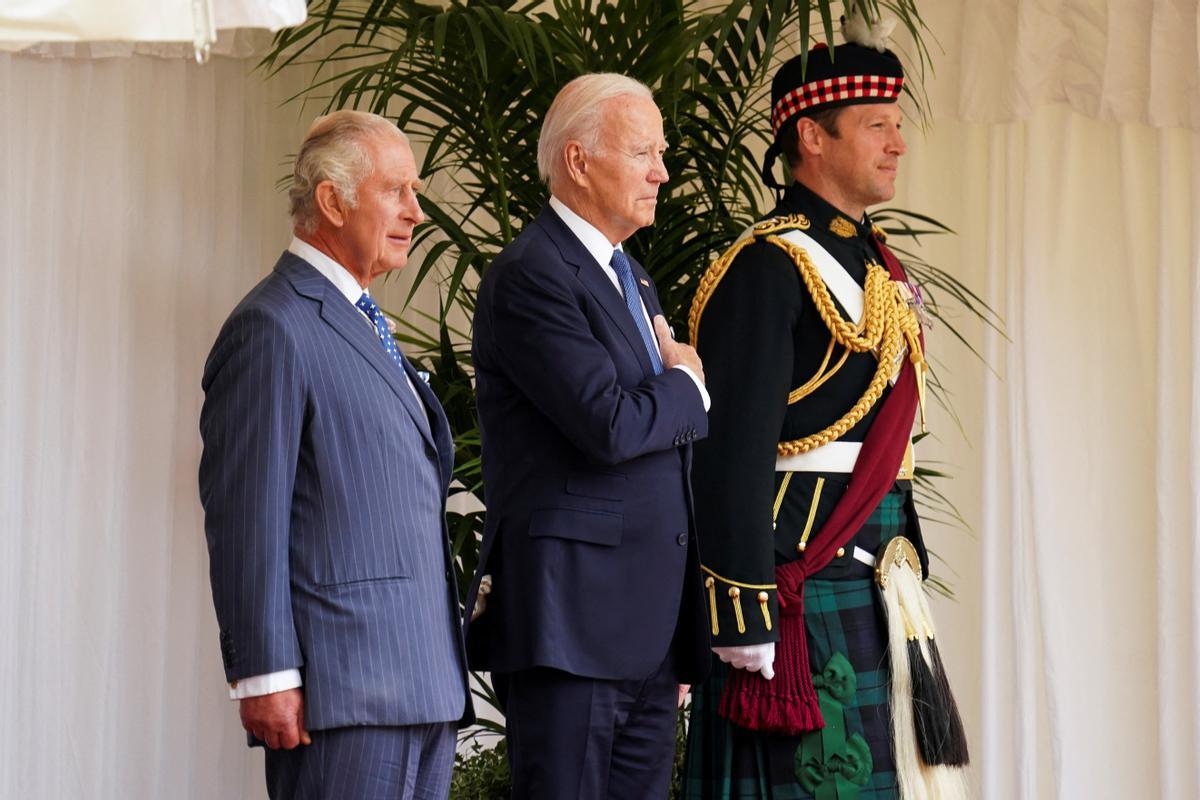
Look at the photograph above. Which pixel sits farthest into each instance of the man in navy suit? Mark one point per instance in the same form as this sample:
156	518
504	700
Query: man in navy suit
324	476
588	408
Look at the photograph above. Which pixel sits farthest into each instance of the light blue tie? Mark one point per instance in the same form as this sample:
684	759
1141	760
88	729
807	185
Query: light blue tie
369	307
633	301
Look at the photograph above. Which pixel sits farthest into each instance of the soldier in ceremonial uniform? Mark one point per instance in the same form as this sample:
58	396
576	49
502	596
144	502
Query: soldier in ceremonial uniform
814	360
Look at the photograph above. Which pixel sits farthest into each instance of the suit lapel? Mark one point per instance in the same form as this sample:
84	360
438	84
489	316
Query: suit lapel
592	276
646	290
344	318
443	442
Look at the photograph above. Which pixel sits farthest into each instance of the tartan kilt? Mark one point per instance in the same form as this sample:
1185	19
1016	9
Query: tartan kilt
846	617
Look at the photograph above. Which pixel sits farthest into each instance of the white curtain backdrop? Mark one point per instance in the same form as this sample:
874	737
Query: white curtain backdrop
120	23
1075	630
139	206
1065	154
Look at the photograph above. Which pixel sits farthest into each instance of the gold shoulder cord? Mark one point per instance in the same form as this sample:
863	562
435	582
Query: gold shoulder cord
888	324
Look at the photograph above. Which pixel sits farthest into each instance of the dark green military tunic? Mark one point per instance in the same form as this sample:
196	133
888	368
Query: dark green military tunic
760	336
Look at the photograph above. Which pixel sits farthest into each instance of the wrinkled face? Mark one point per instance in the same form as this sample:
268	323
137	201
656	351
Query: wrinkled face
376	233
626	169
862	160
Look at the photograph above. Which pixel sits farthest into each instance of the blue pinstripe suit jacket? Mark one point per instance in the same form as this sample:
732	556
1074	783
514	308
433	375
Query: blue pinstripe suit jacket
324	482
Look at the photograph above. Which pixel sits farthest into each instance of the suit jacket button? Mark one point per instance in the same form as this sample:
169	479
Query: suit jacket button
681	539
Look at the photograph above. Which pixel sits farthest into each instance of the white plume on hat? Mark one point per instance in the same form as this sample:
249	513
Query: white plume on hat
856	29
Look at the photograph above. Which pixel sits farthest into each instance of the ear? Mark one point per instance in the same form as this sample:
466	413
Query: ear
811	135
577	163
330	204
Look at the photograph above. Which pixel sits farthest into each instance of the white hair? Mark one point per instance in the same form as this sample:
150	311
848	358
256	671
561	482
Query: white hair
334	149
575	115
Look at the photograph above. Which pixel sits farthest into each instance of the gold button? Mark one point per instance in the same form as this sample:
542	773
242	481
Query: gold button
841	551
735	592
233	684
800	547
762	597
708	582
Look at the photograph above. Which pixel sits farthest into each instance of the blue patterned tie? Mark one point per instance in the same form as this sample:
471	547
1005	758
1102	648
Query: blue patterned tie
633	301
368	307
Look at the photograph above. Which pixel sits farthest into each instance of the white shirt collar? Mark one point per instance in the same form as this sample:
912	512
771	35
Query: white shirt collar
592	240
334	272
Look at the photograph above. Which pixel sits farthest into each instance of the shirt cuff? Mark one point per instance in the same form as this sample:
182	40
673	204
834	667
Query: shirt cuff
699	384
258	685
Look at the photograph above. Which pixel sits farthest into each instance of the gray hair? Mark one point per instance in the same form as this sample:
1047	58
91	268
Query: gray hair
334	149
575	115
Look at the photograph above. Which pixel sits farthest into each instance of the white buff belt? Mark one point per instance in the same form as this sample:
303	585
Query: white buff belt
840	457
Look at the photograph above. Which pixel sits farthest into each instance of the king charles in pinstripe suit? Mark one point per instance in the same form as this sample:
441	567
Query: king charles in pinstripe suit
324	476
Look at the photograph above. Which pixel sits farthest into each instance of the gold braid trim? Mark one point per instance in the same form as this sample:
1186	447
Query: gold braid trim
710	584
763	600
735	595
888	324
860	337
819	377
732	582
708	284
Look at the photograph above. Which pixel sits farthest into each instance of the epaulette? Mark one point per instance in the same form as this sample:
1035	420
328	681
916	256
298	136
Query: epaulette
717	267
782	223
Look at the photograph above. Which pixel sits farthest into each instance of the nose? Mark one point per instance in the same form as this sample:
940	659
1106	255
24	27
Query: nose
658	170
411	210
897	144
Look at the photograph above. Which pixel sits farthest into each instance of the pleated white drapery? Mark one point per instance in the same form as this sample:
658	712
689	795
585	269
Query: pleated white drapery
139	206
1073	635
1111	60
27	22
1065	153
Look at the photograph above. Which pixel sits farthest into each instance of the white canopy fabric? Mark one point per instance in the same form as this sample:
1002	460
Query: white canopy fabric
43	24
1111	60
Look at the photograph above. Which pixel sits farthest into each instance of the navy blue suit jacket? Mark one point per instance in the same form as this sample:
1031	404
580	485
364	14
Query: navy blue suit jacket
324	481
586	460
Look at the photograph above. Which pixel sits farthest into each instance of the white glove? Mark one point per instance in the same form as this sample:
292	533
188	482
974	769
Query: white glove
752	658
485	588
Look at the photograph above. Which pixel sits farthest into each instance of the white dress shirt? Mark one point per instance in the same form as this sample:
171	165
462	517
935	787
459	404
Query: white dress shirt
597	244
